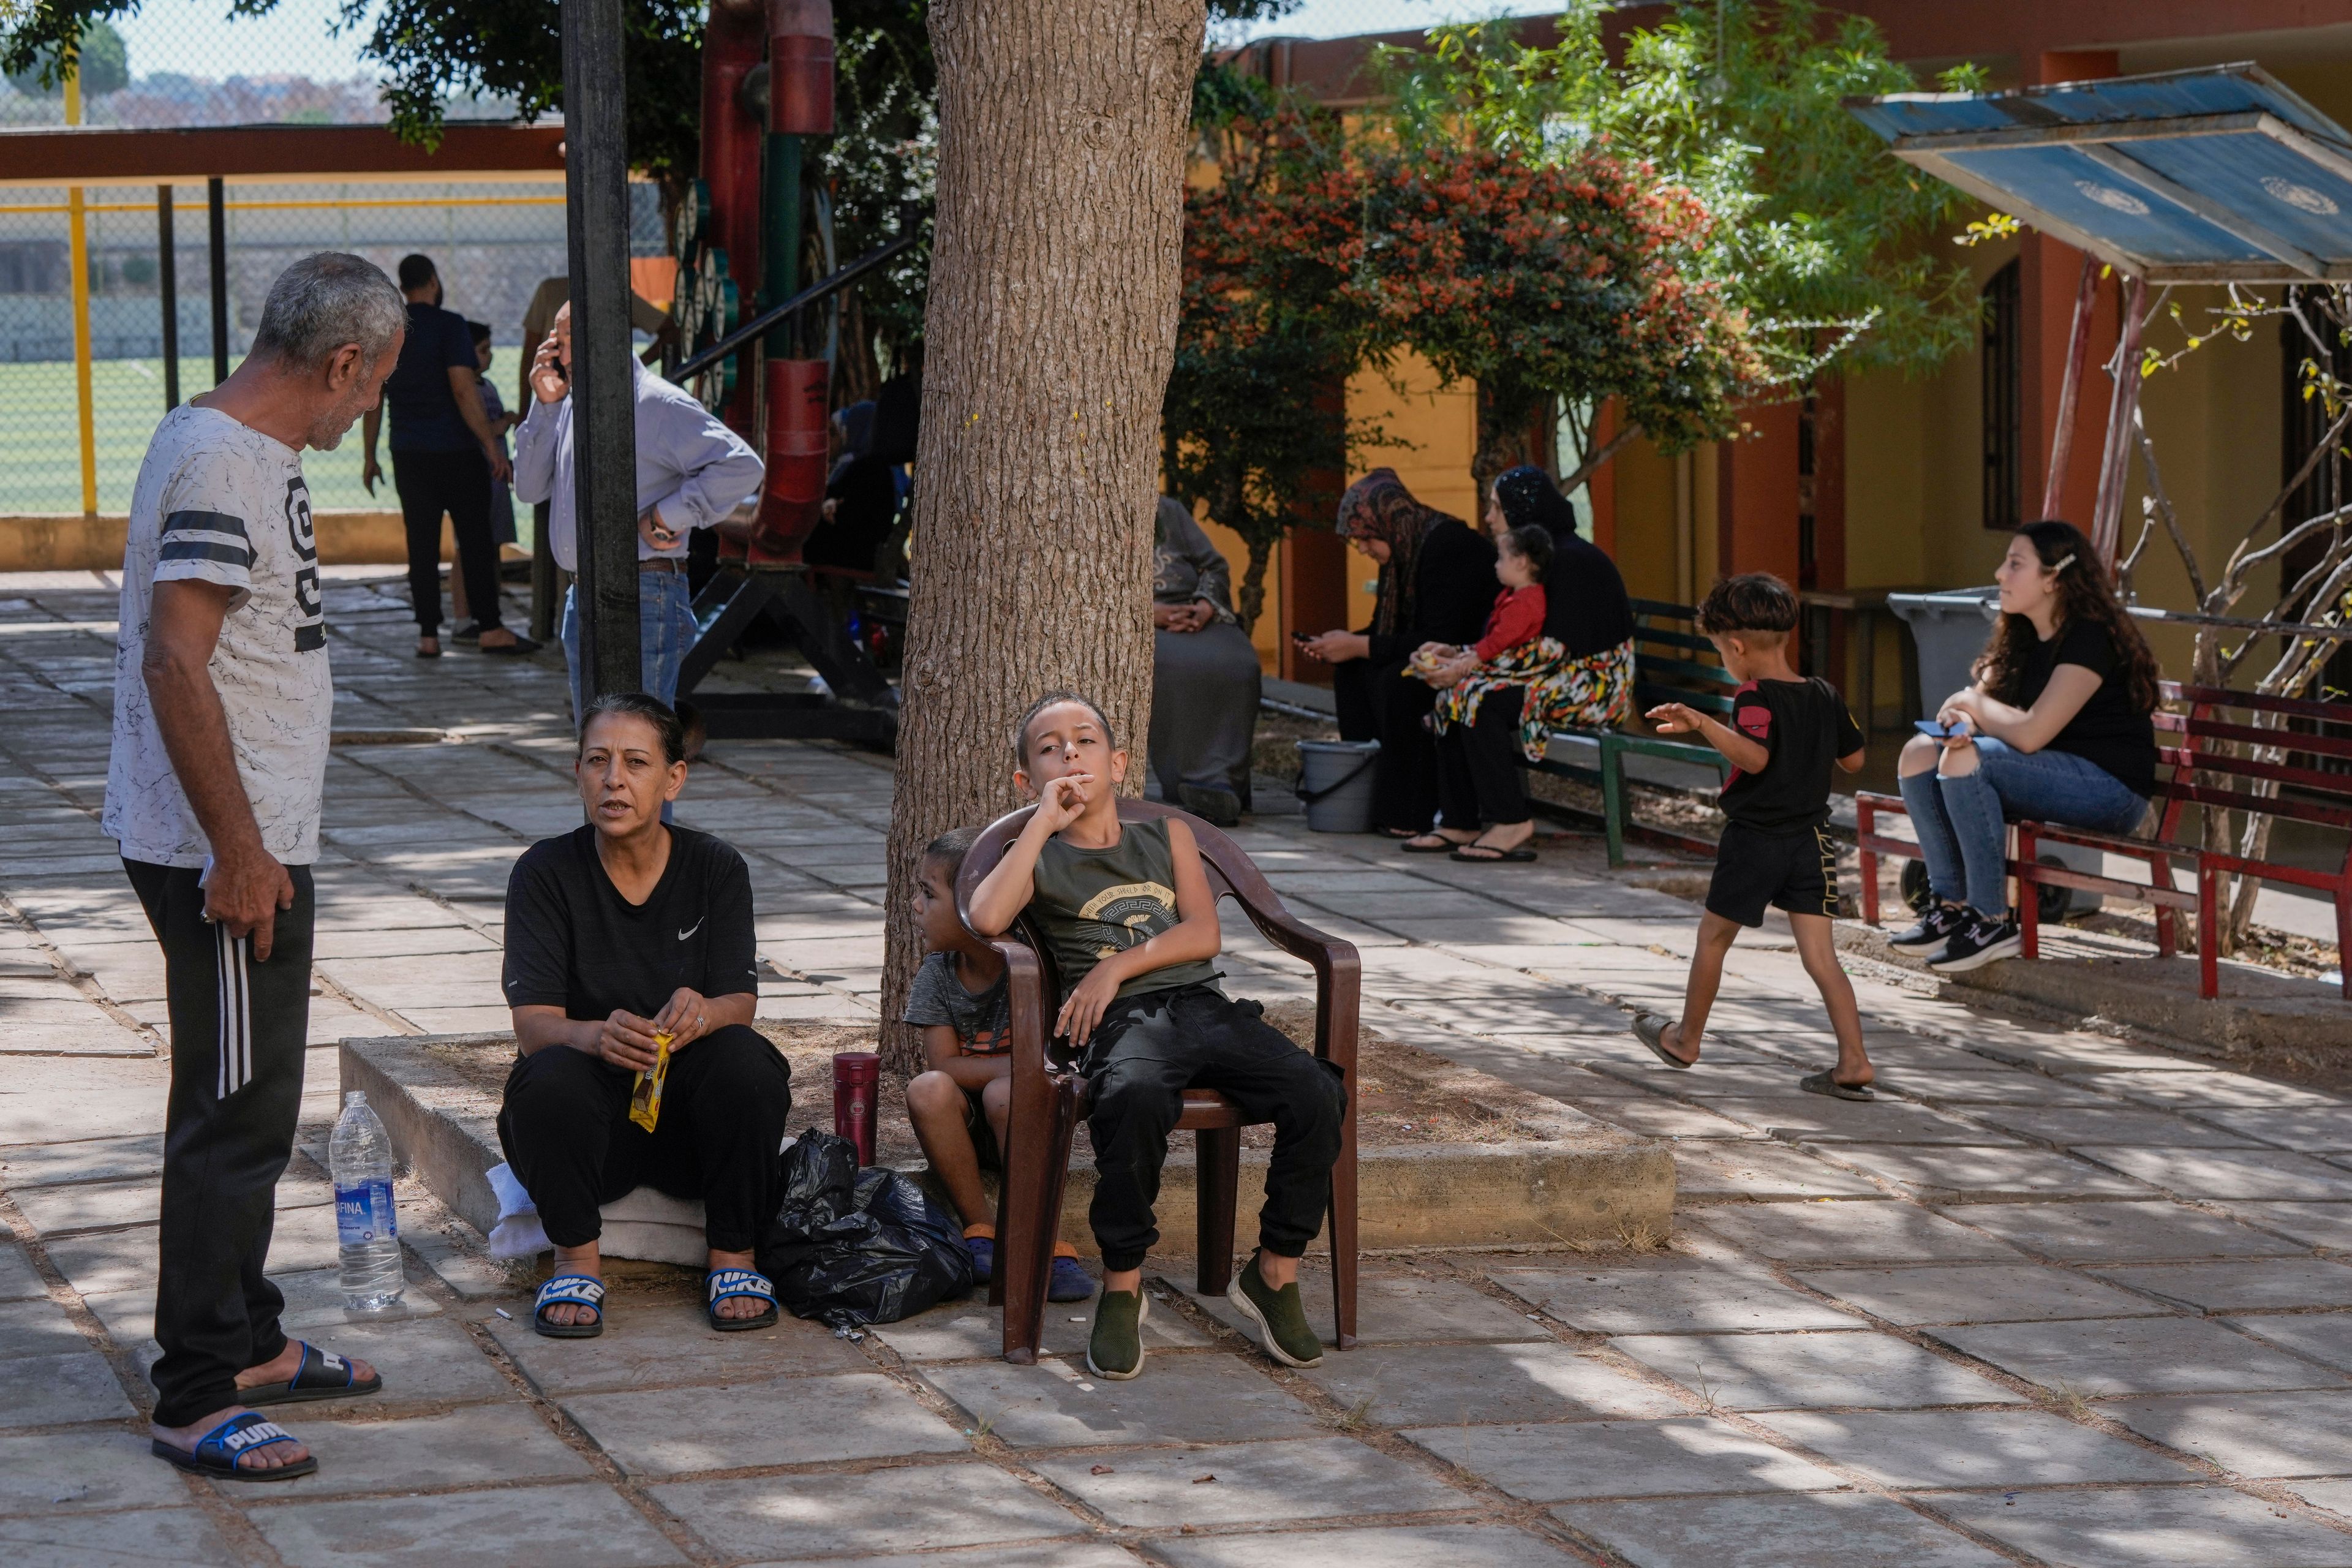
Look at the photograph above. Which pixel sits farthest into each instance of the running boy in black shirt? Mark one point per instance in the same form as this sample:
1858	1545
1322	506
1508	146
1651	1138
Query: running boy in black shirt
1785	731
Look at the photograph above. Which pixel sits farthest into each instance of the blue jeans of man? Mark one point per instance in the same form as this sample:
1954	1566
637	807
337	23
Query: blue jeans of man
1961	821
665	630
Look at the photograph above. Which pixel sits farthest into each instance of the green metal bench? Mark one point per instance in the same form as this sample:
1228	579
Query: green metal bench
1672	663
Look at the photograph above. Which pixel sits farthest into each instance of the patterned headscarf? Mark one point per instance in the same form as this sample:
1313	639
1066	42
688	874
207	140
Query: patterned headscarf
1526	496
1378	506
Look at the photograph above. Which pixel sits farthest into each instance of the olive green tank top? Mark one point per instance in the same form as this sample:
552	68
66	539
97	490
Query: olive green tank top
1092	903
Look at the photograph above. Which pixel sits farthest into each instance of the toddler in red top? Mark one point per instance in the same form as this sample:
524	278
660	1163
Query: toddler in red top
1517	617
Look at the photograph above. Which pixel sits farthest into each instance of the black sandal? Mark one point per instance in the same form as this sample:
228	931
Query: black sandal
1444	846
319	1375
218	1451
570	1290
1650	1028
1823	1083
1492	854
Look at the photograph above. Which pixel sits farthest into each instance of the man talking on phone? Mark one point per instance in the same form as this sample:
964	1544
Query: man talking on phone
692	470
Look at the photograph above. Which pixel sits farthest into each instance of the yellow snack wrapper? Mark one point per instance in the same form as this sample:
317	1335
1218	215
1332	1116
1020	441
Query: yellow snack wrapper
644	1100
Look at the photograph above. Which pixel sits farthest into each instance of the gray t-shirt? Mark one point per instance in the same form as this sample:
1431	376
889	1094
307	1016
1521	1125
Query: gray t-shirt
983	1020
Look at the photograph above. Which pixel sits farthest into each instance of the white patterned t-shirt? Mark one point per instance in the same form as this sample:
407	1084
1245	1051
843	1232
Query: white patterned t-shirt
218	501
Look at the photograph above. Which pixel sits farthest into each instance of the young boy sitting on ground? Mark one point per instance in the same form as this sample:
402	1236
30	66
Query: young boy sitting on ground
1127	911
958	1108
1785	731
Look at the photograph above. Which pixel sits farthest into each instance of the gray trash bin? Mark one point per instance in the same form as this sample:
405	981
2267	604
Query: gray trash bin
1949	629
1335	785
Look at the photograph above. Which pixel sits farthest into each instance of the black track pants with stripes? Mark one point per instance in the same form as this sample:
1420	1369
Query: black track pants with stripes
238	1028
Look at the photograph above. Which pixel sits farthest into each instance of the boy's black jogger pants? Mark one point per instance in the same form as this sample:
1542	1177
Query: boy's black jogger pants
239	1025
1147	1051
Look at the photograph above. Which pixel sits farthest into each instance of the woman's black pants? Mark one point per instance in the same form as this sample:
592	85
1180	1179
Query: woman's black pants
566	1130
458	483
1478	782
1380	702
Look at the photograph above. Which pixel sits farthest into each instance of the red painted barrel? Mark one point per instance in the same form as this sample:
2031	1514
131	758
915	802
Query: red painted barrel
856	1084
800	67
792	499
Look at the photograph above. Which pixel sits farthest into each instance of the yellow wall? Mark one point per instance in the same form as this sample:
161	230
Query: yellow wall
69	542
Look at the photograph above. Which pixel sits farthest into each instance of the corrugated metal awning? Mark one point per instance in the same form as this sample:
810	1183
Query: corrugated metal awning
2213	175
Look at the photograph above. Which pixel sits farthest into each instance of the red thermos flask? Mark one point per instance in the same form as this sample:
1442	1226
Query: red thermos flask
857	1076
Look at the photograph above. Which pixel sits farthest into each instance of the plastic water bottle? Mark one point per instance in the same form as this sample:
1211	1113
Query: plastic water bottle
359	1156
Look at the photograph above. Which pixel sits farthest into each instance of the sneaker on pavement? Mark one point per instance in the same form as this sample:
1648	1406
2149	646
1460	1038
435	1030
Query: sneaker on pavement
1933	930
1115	1349
1982	941
1280	1318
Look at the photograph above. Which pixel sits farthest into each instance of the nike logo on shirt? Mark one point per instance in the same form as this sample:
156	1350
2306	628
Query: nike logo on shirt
692	928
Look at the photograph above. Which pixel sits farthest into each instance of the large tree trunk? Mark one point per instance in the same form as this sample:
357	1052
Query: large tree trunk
1049	332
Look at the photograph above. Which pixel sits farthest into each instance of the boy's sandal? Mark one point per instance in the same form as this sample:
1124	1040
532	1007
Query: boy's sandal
1444	846
218	1451
319	1375
724	1284
569	1290
1822	1082
1476	854
1650	1028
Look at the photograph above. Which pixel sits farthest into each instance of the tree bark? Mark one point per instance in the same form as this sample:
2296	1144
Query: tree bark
1049	332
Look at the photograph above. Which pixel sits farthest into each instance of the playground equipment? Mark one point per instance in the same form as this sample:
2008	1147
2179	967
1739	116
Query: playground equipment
750	217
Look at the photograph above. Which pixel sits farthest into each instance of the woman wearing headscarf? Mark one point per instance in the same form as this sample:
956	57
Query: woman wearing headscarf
1204	673
1436	584
1578	675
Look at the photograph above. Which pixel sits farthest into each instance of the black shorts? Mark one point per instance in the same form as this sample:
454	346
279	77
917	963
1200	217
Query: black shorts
983	1136
1792	871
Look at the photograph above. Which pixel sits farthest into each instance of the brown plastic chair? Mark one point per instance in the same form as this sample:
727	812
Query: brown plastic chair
1048	1095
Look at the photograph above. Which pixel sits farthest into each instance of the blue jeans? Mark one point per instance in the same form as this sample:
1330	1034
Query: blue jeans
665	630
1961	821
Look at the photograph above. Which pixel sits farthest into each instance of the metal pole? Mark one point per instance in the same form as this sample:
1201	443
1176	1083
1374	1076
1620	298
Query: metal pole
167	286
2114	462
603	394
2078	354
216	216
78	249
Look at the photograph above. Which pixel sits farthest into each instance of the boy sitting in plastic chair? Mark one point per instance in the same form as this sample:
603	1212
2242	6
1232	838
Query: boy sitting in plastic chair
1126	910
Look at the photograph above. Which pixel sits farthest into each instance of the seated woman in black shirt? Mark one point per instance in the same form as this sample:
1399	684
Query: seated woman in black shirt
616	931
2054	729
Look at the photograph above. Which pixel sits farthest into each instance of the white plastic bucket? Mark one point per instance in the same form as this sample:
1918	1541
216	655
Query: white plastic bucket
1335	785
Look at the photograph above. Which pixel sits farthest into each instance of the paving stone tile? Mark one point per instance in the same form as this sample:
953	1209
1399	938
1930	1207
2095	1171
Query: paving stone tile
970	1330
2320	1225
1816	1529
2246	1286
1659	1118
127	1540
1674	1457
1940	1174
1415	1386
675	1431
422	1360
1879	1232
85	1471
1456	1545
661	1341
74	1385
1677	1293
1396	1308
1816	1119
2323	1336
2334	1496
1933	1450
1322	1477
2310	1129
2300	1433
87	1205
2200	1093
1976	1293
830	1517
34	1328
2198	1527
468	1447
1961	1081
25	1165
17	1280
314	1301
2089	1126
1761	1170
2121	1232
521	1527
2135	1355
1199	1398
1773	1372
1042	1554
2228	1174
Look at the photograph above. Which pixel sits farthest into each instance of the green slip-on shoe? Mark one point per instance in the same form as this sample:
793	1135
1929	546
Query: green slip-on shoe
1280	1317
1114	1350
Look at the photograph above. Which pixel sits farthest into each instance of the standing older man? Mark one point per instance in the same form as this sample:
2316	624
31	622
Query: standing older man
692	470
222	701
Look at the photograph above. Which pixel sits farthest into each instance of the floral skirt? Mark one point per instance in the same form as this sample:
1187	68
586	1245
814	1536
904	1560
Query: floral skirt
1562	693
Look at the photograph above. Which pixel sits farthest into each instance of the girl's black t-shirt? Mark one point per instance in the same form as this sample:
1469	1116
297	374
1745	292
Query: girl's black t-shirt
574	942
2109	731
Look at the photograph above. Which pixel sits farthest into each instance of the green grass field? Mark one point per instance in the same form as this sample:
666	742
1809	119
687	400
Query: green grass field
40	441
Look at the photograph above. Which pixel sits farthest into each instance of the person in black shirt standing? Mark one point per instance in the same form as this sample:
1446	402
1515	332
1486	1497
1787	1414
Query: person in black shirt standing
2055	728
1786	731
615	932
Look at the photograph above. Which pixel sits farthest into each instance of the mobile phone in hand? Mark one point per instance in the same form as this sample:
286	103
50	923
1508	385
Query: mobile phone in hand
1938	728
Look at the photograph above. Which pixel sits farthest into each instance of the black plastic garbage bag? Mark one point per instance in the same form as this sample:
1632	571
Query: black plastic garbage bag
851	1246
